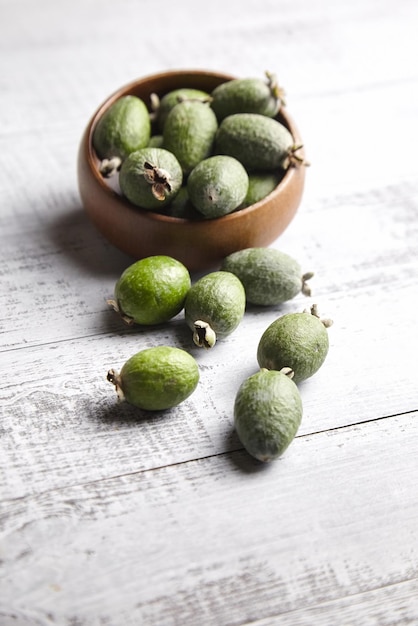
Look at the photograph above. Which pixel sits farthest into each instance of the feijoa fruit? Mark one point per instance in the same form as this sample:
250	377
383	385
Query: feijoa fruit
247	95
189	133
124	127
214	307
269	276
296	340
257	141
151	290
157	378
217	186
150	178
267	413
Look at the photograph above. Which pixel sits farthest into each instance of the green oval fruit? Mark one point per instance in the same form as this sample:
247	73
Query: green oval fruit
151	290
189	133
155	141
258	142
260	185
150	178
156	379
181	206
214	307
124	127
247	95
267	414
170	99
217	186
269	276
296	340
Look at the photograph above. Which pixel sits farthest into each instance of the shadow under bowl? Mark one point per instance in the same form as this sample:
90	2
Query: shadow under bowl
199	244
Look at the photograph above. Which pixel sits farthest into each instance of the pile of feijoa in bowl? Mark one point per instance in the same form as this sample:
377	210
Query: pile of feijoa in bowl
195	154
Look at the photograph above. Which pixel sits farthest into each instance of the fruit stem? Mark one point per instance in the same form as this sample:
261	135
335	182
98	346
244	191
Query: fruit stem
114	377
204	336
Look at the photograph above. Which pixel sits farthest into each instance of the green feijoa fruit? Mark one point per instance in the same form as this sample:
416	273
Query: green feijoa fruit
163	106
214	307
151	290
124	127
150	178
155	141
247	95
156	379
217	186
269	276
182	207
189	132
296	340
257	141
267	413
260	185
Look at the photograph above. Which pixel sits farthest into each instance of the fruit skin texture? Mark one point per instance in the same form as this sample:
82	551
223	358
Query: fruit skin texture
170	99
218	298
260	184
296	340
123	128
269	276
257	141
267	414
245	95
157	378
217	186
189	133
150	187
152	290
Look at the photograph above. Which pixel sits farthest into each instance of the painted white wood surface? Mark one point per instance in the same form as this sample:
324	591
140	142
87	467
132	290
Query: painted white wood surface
110	517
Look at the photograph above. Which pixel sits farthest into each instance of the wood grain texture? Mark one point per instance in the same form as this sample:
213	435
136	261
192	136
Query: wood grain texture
113	517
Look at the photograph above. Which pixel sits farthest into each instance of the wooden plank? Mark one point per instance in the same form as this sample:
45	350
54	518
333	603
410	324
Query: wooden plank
226	539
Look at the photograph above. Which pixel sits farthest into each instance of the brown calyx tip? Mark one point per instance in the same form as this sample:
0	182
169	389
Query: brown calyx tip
116	307
159	179
114	377
293	159
276	90
306	289
314	311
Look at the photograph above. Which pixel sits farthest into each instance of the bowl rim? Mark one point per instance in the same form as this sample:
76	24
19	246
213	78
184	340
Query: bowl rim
92	159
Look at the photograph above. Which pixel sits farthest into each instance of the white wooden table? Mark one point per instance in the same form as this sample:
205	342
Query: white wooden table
110	517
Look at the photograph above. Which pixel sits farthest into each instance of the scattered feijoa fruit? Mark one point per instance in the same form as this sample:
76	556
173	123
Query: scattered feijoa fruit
296	340
247	95
267	413
163	106
151	290
124	127
189	133
214	307
217	186
157	378
150	178
257	141
260	185
269	276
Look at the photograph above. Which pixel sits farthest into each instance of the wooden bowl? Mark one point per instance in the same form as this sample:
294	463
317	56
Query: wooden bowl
199	244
